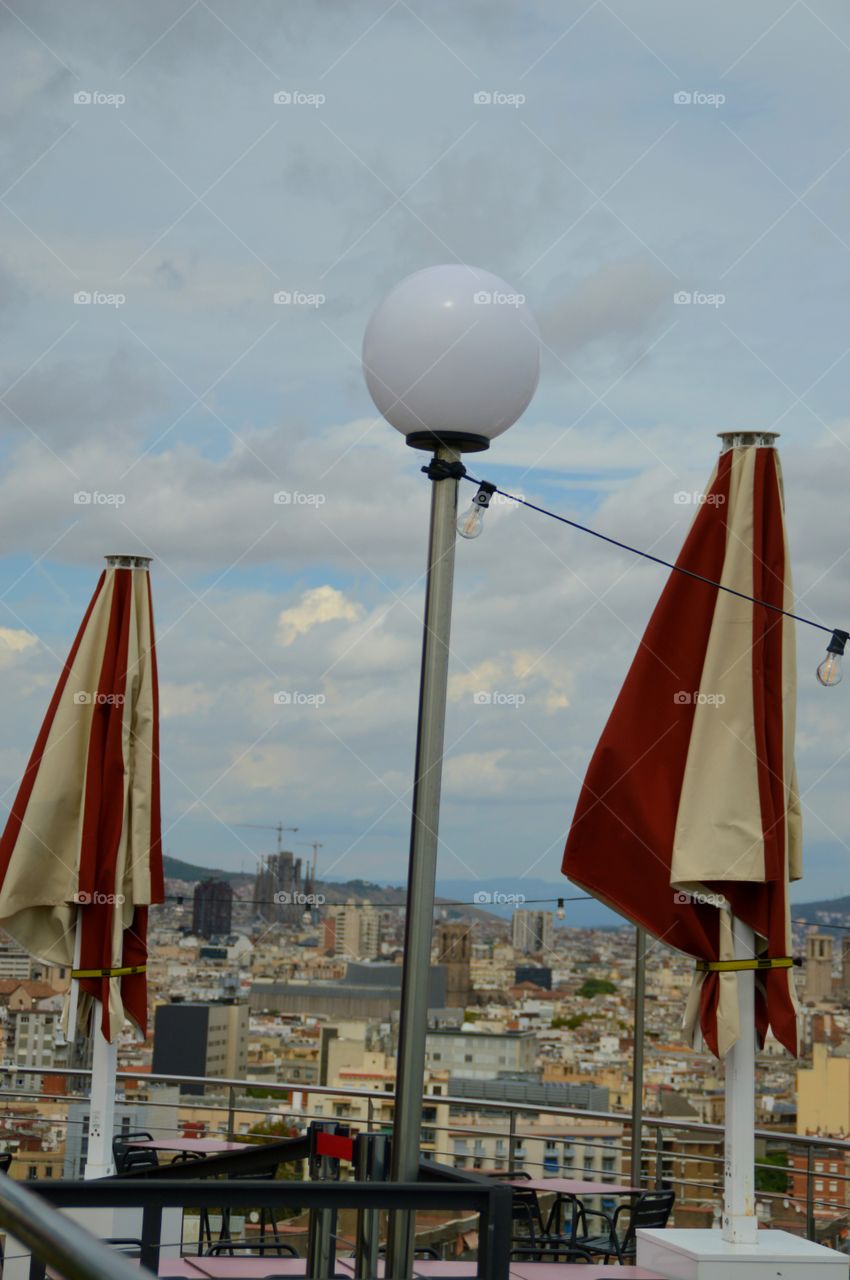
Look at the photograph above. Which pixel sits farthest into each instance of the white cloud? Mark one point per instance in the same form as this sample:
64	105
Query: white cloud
13	643
322	604
183	700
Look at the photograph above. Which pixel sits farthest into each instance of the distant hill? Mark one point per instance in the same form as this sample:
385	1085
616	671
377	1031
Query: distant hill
335	891
177	869
504	894
832	909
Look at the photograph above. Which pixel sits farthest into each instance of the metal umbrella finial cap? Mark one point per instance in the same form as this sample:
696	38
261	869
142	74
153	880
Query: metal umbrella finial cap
128	562
747	440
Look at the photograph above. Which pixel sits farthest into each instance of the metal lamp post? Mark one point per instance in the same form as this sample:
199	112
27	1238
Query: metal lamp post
451	358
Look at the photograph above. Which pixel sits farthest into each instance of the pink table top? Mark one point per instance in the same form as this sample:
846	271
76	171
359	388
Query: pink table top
234	1268
574	1187
202	1146
566	1270
522	1270
259	1268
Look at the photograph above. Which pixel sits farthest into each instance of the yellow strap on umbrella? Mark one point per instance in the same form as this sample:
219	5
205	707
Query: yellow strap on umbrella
109	973
734	966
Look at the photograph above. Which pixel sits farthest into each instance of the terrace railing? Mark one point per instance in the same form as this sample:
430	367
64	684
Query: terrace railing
684	1153
78	1255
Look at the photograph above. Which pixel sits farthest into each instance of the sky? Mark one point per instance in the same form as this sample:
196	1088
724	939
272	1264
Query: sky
178	164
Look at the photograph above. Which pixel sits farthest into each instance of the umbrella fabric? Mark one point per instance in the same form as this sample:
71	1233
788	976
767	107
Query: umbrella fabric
689	810
82	842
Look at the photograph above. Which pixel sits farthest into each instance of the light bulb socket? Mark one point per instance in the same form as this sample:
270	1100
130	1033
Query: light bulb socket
484	494
838	642
440	469
463	441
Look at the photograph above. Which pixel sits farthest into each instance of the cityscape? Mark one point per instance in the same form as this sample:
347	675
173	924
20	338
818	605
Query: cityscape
291	987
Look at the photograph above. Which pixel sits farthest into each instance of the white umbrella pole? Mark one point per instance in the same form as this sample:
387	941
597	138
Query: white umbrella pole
104	1068
739	1207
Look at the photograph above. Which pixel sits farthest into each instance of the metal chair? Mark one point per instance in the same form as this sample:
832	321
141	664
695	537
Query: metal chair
123	1244
421	1251
267	1221
231	1247
534	1244
528	1197
650	1209
126	1156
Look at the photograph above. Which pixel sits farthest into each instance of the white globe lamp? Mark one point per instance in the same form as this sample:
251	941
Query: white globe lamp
452	356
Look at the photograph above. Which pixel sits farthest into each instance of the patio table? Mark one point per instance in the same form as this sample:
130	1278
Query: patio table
578	1270
237	1268
574	1187
521	1270
193	1146
572	1191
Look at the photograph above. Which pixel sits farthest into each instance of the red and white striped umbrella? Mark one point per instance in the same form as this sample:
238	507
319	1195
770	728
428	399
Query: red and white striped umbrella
689	812
81	858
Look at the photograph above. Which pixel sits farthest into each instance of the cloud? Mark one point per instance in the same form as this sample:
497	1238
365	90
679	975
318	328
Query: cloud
183	700
619	303
322	604
14	643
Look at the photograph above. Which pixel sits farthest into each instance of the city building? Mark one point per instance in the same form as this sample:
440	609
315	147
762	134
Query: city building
14	961
212	908
538	1095
279	892
454	950
353	930
367	991
35	1039
830	1183
565	1148
201	1039
818	967
823	1093
537	974
531	931
481	1055
845	966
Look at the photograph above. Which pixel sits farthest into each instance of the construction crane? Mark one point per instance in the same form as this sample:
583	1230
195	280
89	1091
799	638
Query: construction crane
315	846
267	826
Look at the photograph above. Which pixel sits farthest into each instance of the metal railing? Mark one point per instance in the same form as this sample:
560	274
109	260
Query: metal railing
58	1241
668	1154
78	1255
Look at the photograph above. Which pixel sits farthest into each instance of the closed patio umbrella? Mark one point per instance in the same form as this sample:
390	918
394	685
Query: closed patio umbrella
688	821
80	857
689	813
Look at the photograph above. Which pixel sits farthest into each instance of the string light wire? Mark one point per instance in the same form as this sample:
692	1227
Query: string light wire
647	555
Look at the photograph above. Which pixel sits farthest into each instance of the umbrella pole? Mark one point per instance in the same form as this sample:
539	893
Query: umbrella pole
637	1056
104	1068
739	1211
99	1161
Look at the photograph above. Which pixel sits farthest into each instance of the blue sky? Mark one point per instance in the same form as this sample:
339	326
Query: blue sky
195	399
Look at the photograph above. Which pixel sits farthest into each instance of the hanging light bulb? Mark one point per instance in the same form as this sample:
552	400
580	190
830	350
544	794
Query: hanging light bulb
829	671
471	522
